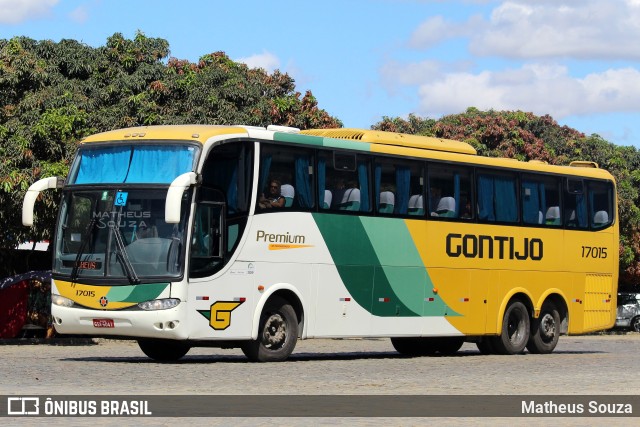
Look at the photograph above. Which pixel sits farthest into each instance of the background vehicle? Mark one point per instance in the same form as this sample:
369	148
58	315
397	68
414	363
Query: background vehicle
628	312
161	238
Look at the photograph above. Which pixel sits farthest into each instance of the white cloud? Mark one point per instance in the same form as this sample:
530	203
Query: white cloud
584	29
537	38
395	74
80	14
16	11
437	29
579	29
432	31
542	89
266	60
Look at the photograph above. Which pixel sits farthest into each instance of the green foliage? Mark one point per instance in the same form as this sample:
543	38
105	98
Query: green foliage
525	136
413	125
54	94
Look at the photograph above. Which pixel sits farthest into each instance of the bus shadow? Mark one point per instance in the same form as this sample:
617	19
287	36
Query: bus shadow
217	358
313	357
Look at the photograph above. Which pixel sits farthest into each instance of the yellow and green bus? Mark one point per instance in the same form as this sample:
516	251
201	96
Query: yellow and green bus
240	236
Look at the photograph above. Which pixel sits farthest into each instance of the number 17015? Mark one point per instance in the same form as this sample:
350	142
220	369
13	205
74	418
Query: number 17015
594	252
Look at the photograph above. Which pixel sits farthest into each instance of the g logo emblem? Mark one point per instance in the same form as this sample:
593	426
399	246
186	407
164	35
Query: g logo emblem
219	314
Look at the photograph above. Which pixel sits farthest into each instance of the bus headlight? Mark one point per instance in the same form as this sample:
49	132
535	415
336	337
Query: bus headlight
61	301
159	304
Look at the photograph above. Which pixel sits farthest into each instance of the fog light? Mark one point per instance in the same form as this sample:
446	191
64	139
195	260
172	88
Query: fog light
159	304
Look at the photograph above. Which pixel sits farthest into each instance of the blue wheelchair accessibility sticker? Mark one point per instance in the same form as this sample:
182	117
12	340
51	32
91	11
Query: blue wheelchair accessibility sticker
121	198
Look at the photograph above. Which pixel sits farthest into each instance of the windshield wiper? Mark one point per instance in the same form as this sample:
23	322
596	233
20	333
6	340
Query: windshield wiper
85	240
121	253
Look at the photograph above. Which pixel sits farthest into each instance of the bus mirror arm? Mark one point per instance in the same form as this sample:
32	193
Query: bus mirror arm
174	196
32	195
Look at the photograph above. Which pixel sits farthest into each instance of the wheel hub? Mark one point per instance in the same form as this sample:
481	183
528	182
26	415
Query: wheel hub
515	330
547	326
275	331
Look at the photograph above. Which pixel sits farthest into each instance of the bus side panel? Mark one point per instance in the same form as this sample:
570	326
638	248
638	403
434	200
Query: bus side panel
336	312
288	249
477	267
379	263
593	257
592	309
598	301
222	306
465	291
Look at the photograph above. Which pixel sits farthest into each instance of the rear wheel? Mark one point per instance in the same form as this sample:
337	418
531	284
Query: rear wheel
545	330
163	350
635	324
515	330
277	335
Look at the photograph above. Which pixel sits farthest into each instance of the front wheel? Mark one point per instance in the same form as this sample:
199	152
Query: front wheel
635	324
408	346
427	346
449	345
277	335
545	330
515	330
163	350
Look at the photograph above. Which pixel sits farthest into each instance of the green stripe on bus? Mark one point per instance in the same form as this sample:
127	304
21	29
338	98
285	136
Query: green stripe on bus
403	269
298	138
136	293
346	144
318	141
386	282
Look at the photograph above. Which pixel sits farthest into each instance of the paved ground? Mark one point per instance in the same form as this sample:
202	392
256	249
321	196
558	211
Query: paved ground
585	365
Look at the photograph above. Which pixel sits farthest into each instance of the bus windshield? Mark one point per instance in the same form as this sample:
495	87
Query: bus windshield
108	233
129	164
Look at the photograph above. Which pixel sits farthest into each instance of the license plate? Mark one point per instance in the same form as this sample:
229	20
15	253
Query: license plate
103	323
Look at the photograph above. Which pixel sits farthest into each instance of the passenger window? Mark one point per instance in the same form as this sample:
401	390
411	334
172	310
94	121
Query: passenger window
396	183
497	197
540	200
286	179
601	204
575	204
343	182
450	192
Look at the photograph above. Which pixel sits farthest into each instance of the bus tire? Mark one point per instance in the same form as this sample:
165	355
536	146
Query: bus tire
545	330
163	350
448	345
485	345
277	334
407	346
515	330
415	346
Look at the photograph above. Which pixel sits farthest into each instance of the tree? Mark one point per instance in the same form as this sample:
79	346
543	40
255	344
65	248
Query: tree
413	125
54	94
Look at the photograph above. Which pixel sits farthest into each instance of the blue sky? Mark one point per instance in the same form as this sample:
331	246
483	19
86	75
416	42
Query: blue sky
577	60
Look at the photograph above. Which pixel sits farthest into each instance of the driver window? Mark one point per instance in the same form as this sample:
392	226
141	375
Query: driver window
206	231
207	250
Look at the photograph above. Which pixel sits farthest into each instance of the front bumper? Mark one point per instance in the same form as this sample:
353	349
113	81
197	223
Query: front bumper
166	324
